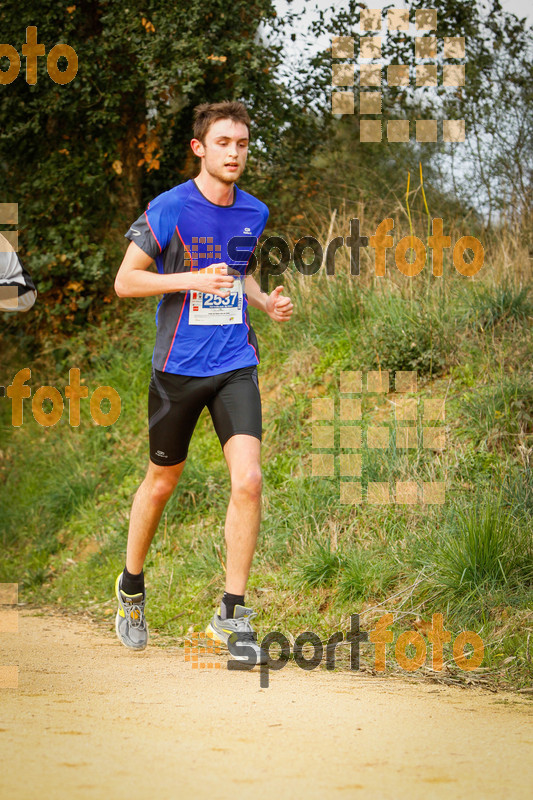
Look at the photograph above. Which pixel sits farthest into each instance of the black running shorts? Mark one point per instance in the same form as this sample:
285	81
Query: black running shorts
176	401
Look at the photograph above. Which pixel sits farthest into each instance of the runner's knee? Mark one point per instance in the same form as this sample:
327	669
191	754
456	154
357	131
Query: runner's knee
161	484
247	485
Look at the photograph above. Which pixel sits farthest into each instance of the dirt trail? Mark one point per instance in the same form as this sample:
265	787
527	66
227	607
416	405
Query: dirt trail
92	720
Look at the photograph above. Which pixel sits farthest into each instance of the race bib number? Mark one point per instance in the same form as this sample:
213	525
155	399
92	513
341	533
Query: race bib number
211	309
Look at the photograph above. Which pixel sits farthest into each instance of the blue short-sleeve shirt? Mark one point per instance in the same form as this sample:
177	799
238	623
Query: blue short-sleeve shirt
182	231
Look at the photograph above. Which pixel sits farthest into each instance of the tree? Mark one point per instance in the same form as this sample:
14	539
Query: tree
493	169
81	159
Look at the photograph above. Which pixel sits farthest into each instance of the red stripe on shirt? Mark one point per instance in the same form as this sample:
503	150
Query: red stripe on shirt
153	234
247	304
184	300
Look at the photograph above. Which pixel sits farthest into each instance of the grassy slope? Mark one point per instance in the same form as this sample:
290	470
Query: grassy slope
66	492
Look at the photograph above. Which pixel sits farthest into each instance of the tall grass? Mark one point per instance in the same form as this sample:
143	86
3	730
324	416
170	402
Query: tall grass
501	412
491	306
482	552
66	493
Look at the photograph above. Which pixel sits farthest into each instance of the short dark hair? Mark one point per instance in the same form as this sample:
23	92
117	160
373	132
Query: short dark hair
207	113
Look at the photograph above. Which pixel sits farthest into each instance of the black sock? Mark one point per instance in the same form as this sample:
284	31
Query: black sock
228	603
132	584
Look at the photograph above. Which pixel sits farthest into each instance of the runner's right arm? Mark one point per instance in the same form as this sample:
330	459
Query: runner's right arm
135	280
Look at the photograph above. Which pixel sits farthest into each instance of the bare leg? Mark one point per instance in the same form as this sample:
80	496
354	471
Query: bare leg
243	456
148	504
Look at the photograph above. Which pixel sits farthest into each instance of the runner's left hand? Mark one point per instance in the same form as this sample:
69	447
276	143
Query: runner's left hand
279	306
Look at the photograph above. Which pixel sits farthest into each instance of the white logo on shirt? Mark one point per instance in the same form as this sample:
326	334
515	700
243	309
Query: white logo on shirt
247	230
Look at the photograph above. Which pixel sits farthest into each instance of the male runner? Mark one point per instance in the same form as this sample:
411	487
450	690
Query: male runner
205	355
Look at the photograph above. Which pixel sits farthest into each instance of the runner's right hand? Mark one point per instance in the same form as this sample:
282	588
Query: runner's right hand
214	279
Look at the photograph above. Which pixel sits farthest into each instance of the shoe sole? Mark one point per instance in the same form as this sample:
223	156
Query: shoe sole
212	634
117	620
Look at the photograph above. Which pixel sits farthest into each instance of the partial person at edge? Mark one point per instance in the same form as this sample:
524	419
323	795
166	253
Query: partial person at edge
17	290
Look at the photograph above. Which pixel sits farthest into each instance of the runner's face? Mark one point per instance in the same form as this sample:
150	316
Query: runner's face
226	149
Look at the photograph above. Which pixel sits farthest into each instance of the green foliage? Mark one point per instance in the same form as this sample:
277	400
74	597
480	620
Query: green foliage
359	573
492	306
518	493
482	551
319	567
498	414
82	159
404	334
365	574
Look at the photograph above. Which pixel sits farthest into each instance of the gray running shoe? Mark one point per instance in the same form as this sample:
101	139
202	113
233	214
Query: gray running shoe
238	635
130	623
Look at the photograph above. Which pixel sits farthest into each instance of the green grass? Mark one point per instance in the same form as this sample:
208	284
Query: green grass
406	333
518	492
366	574
500	413
492	306
483	552
319	567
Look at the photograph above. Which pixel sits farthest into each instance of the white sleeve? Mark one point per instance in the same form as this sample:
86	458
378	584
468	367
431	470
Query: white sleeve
17	291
